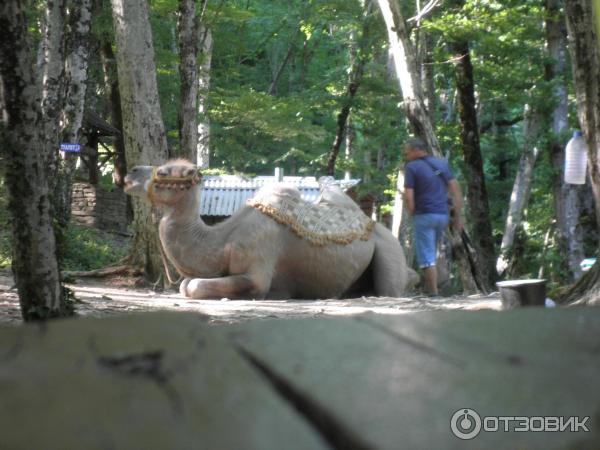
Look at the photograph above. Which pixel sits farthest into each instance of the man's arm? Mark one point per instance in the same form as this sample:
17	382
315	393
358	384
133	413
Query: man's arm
455	193
409	199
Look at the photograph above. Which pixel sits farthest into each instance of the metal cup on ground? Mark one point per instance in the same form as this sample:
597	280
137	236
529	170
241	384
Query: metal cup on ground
517	293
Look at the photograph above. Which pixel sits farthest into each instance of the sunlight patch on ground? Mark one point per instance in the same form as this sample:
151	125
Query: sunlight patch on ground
98	298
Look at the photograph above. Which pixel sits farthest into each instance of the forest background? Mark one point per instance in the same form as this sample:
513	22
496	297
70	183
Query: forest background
311	86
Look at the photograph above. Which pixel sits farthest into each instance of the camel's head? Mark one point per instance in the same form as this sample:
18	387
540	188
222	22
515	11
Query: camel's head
138	180
163	185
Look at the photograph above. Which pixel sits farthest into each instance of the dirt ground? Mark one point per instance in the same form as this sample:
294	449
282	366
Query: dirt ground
112	296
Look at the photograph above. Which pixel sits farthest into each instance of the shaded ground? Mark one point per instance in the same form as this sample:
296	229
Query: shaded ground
108	297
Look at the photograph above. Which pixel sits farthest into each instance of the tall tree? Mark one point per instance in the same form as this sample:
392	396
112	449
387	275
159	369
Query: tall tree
359	51
206	48
403	52
567	197
143	129
583	25
521	187
25	145
477	196
188	28
407	72
111	81
76	62
52	78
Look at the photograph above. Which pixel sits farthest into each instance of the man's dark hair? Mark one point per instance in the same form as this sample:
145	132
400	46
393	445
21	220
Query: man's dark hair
417	144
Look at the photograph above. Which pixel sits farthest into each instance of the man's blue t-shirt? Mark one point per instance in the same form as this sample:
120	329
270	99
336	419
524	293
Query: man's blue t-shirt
431	192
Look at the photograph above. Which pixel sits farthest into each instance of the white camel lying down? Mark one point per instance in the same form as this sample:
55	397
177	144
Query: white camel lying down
253	255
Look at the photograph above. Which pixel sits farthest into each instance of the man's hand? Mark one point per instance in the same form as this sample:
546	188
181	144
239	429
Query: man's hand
409	199
456	195
457	223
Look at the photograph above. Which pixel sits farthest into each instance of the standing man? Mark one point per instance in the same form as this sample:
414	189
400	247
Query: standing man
427	183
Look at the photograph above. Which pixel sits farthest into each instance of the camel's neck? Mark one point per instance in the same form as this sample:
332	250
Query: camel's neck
188	208
191	245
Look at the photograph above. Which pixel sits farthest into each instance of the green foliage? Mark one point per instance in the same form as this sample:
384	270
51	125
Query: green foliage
309	45
507	44
253	130
88	248
85	248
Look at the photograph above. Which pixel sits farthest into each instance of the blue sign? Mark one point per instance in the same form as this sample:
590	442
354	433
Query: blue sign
71	148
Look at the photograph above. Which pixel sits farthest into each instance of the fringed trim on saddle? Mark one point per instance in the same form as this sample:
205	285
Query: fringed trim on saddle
316	238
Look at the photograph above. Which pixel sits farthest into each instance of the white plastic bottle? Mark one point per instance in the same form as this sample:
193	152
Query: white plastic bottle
576	159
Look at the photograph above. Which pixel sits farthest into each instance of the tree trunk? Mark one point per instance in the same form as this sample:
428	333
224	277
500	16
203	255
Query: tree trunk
26	151
427	74
349	150
567	205
111	81
53	71
479	211
414	107
143	129
583	25
288	56
521	188
358	53
77	45
203	146
342	120
52	53
406	71
188	73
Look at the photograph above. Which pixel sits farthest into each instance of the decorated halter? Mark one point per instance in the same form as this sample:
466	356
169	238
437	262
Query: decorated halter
175	183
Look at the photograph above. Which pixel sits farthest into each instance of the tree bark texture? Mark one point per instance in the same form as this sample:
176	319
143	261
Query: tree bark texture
478	205
52	82
26	149
585	58
111	81
203	145
188	28
428	73
406	70
567	203
143	129
76	63
521	188
584	47
349	147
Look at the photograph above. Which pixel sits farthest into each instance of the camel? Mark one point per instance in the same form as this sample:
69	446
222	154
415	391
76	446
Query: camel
253	255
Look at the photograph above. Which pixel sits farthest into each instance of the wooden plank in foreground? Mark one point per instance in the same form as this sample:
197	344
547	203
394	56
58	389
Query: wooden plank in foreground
153	381
396	381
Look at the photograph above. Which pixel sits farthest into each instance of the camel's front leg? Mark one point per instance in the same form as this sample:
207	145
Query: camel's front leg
183	286
233	286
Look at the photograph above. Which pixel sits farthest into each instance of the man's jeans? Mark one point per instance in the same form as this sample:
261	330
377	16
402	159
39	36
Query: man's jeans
428	230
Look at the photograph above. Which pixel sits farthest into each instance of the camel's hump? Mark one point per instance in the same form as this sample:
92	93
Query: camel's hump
319	223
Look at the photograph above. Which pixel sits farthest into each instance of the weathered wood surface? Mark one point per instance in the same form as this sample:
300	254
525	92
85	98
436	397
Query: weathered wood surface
397	380
371	381
157	381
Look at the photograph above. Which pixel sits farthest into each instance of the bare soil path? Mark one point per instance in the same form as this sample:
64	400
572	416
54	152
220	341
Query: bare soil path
116	296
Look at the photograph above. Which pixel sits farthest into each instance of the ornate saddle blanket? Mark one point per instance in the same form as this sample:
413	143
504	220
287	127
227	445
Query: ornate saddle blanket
318	223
